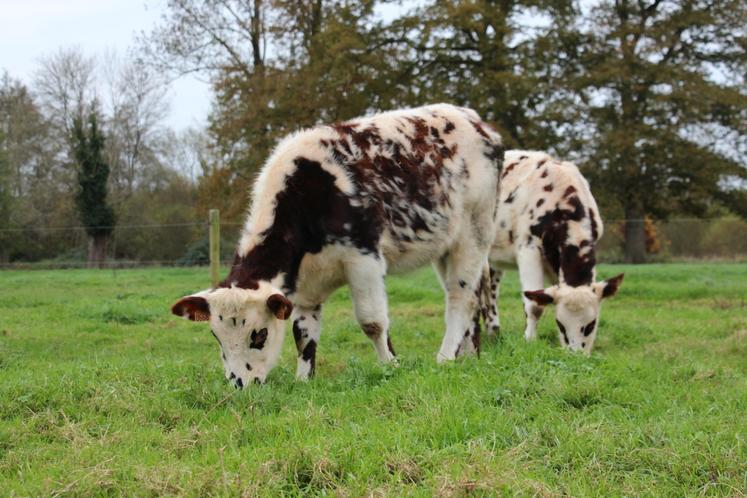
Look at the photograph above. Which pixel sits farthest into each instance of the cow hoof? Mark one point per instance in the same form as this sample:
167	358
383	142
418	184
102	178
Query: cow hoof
442	358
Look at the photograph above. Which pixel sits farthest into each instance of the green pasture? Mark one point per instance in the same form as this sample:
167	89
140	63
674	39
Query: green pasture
103	392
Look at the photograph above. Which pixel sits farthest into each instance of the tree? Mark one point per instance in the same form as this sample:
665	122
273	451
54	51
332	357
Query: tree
38	185
93	175
495	56
137	101
276	66
661	87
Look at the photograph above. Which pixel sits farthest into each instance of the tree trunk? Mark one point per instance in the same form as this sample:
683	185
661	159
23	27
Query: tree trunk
635	236
97	251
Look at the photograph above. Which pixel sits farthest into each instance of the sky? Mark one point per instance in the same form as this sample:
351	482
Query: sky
30	29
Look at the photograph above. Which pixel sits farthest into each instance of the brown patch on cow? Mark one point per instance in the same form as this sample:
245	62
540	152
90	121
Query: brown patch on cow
511	196
548	187
544	173
449	127
389	345
541	163
552	229
570	190
540	202
310	211
510	236
478	126
257	339
508	169
373	330
476	332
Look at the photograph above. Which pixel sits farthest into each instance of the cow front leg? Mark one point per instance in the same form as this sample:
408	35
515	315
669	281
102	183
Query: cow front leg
460	272
531	274
366	280
307	328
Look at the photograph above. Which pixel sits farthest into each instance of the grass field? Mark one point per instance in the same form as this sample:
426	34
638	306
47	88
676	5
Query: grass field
103	392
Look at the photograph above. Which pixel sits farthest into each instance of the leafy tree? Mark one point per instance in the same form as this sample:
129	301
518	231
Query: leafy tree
276	66
496	56
93	175
662	95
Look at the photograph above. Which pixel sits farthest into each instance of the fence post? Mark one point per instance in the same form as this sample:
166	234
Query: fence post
214	247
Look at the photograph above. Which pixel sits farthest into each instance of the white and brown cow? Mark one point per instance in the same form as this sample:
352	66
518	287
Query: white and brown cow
548	221
348	203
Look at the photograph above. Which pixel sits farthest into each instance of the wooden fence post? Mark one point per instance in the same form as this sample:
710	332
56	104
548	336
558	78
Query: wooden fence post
214	247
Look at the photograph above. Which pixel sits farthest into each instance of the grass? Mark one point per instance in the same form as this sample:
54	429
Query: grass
102	392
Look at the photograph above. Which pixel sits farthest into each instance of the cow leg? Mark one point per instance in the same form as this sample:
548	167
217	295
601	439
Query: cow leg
366	280
307	328
460	271
492	319
531	274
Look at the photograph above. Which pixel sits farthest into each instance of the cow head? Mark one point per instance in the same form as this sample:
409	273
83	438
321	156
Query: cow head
577	310
248	325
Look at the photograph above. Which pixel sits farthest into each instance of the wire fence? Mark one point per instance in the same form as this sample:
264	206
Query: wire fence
186	243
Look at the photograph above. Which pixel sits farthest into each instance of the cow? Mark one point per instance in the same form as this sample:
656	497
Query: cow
348	203
548	222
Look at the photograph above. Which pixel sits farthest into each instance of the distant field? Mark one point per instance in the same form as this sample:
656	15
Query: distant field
103	392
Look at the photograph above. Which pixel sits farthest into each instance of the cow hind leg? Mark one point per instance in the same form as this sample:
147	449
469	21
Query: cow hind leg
460	272
307	327
492	319
366	280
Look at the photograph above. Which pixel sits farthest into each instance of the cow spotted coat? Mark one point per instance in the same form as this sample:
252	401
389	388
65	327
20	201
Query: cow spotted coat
346	204
549	222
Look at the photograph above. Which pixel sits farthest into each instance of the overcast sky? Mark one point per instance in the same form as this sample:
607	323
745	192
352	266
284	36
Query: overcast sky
30	29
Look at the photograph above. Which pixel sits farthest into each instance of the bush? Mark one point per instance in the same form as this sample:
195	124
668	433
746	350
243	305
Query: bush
198	254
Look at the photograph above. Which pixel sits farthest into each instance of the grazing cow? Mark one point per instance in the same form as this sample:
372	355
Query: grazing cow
548	220
348	203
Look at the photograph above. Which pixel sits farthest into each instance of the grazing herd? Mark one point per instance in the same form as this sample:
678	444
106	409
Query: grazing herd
351	202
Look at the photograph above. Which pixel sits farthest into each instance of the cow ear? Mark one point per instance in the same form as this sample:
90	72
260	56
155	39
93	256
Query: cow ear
280	306
195	308
608	288
541	297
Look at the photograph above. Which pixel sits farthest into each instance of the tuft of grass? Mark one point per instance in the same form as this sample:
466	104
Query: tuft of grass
102	391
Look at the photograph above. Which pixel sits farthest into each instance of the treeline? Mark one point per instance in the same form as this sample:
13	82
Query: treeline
84	145
647	96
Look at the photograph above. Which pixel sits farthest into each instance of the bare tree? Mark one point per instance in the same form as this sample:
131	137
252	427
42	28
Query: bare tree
138	105
65	84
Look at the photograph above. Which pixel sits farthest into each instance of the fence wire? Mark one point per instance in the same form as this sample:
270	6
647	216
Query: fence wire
186	243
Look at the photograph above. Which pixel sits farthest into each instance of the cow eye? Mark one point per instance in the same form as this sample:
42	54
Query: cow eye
587	330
